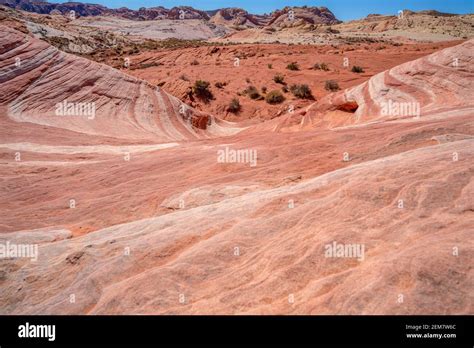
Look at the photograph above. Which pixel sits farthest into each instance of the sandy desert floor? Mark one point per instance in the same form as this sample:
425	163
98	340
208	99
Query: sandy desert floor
177	70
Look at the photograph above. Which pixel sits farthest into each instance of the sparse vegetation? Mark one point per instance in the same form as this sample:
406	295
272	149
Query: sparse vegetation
331	85
274	97
321	66
234	106
194	62
293	66
264	89
301	91
270	66
279	79
145	65
184	77
134	50
253	93
357	69
171	43
220	85
201	90
285	89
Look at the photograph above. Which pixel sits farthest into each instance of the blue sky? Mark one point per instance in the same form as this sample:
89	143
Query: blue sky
343	9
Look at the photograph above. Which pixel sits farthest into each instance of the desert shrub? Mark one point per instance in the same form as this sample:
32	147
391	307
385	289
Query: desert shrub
247	80
285	89
279	79
194	62
220	84
252	93
146	65
357	69
293	66
264	89
321	66
331	85
201	90
234	106
184	77
134	50
301	91
270	66
274	97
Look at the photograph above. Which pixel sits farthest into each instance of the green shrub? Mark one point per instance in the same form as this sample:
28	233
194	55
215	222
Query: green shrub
201	90
293	66
357	69
279	79
274	97
321	66
252	92
332	86
301	91
234	106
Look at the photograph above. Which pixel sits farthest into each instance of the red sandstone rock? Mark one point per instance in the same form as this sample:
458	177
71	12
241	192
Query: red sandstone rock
172	230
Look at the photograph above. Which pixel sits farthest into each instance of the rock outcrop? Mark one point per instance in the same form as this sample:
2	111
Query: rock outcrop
42	85
177	229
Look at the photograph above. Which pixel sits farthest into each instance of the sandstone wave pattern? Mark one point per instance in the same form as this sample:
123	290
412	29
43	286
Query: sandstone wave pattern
437	86
37	78
172	230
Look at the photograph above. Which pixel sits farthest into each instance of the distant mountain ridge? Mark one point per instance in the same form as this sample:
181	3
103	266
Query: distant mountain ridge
288	16
85	9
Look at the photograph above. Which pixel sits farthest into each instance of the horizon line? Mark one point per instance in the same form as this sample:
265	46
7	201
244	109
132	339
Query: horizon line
344	13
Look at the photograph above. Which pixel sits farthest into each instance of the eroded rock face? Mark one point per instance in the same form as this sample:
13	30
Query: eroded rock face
186	12
348	106
44	7
297	16
237	17
418	23
80	9
51	88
